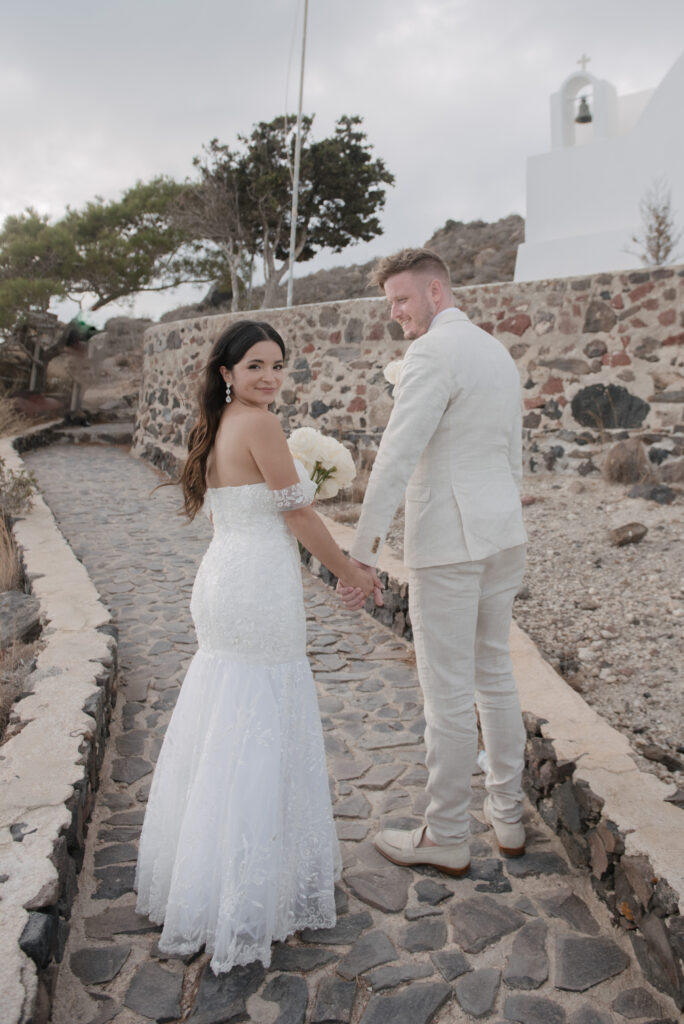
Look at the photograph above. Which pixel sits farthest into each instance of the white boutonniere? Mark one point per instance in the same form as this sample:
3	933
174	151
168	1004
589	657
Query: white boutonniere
392	371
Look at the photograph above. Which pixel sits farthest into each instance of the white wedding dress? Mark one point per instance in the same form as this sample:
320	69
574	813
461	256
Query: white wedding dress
238	846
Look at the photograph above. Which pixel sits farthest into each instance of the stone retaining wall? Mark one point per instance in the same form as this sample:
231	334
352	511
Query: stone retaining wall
600	352
613	820
49	766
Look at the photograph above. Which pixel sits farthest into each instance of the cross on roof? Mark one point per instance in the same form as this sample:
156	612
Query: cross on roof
583	61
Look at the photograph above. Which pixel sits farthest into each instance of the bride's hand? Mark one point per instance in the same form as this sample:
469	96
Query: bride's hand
358	578
353	592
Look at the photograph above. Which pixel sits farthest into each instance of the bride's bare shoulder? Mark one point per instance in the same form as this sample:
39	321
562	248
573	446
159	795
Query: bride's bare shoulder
264	424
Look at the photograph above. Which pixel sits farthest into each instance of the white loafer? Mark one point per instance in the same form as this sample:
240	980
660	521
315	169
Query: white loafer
402	847
509	835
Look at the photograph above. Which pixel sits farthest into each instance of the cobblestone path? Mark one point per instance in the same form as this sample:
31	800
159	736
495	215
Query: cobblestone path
519	940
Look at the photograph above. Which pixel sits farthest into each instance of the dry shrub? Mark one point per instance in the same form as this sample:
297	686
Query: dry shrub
15	666
16	491
10	570
627	463
11	421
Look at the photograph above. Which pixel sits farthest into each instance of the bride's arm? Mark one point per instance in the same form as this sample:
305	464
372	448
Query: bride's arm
269	450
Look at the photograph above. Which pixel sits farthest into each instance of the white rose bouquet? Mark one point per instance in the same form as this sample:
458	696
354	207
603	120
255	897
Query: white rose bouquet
392	371
328	463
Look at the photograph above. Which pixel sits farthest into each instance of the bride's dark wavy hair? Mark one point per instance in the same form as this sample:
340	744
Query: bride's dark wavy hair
230	348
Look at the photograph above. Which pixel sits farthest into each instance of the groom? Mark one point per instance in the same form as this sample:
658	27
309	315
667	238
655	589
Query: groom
454	446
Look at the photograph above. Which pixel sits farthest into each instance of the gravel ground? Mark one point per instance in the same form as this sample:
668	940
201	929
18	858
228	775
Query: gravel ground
609	619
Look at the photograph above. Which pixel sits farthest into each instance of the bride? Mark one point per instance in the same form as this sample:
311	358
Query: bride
238	846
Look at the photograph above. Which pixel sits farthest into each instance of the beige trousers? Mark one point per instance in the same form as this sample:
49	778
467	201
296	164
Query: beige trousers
461	617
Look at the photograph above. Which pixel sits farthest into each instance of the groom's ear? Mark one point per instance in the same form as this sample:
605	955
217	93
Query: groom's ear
436	289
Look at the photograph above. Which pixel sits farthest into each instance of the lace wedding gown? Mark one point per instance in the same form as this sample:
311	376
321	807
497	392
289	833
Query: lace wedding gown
238	847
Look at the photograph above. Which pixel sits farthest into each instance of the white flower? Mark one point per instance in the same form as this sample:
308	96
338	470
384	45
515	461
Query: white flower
328	463
393	371
304	444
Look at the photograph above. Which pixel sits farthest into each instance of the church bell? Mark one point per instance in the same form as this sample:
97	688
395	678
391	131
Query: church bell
583	113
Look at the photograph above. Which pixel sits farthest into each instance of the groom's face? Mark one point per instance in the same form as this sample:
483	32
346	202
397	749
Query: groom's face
412	303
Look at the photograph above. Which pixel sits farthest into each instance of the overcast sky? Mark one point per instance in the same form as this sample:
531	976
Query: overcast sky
454	93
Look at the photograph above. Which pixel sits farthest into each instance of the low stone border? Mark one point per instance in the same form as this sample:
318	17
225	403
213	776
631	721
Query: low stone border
612	818
56	432
49	769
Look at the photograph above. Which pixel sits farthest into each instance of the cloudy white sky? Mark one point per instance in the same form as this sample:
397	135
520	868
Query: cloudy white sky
454	93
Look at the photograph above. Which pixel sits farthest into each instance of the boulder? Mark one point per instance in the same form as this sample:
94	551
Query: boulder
660	493
608	406
627	463
19	618
630	533
673	472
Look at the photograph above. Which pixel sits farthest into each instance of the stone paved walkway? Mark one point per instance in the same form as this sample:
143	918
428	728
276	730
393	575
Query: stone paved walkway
521	940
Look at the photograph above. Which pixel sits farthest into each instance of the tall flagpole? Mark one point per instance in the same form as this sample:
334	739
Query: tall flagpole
298	152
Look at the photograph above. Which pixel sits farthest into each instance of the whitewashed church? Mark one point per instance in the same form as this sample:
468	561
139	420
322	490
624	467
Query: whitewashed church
606	152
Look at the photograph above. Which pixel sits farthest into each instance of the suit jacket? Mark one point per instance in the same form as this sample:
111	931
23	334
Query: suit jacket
454	445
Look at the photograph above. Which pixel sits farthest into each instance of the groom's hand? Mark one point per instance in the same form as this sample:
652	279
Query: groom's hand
353	598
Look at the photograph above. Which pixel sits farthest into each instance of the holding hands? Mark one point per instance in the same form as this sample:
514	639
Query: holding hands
358	583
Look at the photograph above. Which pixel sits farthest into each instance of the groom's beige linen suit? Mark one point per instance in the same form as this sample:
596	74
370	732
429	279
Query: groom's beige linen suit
453	445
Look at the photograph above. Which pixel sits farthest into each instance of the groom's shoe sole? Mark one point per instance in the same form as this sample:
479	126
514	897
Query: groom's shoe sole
392	843
507	851
454	872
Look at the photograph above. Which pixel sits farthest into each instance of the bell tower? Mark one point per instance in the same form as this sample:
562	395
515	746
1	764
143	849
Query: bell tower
584	193
579	91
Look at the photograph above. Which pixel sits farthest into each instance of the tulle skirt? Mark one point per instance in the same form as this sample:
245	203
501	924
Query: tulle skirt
238	847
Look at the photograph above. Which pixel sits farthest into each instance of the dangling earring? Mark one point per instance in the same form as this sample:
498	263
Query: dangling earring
228	398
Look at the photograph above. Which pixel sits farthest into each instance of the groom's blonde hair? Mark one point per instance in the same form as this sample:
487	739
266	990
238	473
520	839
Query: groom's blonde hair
421	260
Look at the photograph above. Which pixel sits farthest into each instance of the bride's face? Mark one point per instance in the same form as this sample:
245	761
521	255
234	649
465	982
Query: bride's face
258	377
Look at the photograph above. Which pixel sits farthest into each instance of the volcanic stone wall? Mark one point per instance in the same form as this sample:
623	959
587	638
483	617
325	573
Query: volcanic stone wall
599	352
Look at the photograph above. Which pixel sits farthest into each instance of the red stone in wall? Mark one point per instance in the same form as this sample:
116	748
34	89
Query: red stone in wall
308	348
553	386
534	403
488	326
641	291
667	317
674	339
516	324
357	405
616	302
650	304
377	332
620	359
636	321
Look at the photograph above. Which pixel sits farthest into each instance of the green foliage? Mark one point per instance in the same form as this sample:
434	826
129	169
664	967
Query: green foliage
342	190
35	261
245	194
128	245
109	249
161	234
16	491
